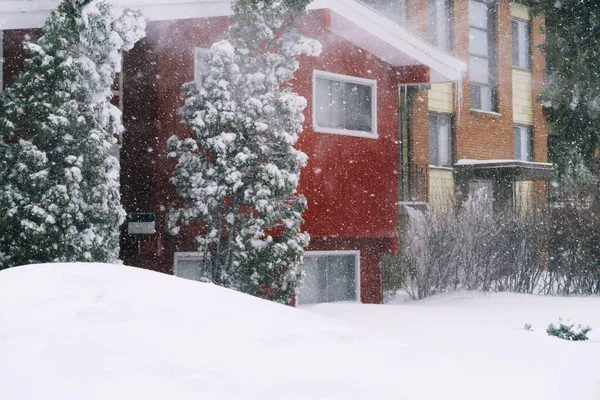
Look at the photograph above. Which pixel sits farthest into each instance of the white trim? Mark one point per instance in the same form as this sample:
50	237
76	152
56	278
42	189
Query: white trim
325	253
352	79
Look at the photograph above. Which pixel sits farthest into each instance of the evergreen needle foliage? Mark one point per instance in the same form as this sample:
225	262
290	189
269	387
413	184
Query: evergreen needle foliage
237	177
59	193
572	95
568	331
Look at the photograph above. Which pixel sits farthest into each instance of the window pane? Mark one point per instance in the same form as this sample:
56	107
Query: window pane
392	9
479	70
200	64
433	141
475	97
478	14
313	286
443	24
523	45
189	268
517	142
525	144
515	43
328	278
357	108
478	42
329	103
439	23
444	141
487	103
341	279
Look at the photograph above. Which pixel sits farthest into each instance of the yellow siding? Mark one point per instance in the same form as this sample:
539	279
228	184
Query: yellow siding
522	97
441	188
441	98
524	195
520	11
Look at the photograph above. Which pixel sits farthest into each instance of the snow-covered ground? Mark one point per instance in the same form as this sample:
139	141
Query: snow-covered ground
94	331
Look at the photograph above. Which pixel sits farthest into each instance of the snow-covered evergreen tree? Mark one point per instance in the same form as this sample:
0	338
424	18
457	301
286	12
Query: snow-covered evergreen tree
59	190
237	177
572	95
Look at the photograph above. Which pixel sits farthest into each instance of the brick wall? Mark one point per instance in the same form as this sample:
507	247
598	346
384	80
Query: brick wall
481	135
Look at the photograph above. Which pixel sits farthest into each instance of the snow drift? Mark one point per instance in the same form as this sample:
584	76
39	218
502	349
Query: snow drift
97	331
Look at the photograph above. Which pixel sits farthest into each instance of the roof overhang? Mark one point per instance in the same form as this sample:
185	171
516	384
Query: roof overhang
512	170
380	36
349	19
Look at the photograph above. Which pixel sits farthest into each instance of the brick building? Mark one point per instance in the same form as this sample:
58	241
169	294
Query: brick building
487	131
394	114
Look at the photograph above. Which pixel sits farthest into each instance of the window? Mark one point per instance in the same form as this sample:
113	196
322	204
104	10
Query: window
482	192
393	9
482	54
440	142
330	276
200	64
344	105
189	265
520	44
523	143
439	24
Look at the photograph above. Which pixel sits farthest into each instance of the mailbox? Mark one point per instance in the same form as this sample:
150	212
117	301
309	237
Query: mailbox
141	223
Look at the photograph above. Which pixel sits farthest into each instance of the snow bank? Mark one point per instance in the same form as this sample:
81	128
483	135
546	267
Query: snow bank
97	331
474	346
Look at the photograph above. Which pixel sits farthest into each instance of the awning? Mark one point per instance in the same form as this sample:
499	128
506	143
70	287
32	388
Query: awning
502	170
350	19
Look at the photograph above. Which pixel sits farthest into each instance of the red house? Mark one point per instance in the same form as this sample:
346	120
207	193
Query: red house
351	132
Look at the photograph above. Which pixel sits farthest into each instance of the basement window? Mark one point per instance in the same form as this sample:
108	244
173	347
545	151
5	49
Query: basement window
330	276
189	265
344	105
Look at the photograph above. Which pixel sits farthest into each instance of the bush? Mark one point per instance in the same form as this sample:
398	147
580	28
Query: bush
474	249
553	250
568	332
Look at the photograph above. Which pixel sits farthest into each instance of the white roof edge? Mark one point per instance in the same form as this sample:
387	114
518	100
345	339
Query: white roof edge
21	14
396	36
467	161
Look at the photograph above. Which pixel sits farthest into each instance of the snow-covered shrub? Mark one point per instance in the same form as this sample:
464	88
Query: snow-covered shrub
567	331
237	176
476	248
59	191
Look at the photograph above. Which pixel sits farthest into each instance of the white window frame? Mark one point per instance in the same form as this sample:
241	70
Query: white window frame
325	253
351	79
200	63
185	255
